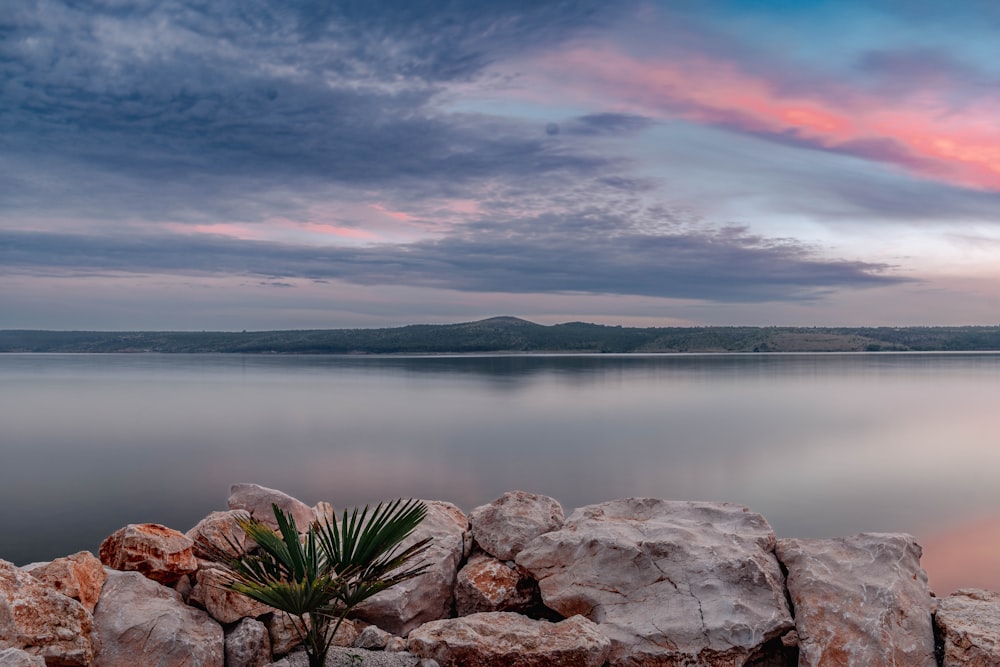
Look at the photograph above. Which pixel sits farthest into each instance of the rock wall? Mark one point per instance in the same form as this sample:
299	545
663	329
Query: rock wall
627	583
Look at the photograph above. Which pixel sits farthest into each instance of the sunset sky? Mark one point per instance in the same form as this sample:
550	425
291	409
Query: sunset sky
255	164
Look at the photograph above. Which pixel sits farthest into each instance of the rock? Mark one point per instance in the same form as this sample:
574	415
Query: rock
859	600
506	639
428	597
487	584
184	587
324	511
15	657
248	645
221	531
140	622
257	500
353	657
372	638
222	604
283	633
669	582
968	624
79	576
157	552
395	645
284	636
42	622
503	527
357	657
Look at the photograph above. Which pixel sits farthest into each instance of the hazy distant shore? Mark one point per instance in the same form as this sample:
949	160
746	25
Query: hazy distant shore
513	335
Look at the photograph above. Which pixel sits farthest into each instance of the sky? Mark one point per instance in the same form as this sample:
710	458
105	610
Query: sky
259	164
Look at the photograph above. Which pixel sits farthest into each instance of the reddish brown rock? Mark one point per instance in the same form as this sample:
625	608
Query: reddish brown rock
502	528
428	597
968	624
504	639
670	583
258	501
80	576
859	601
40	622
140	622
487	584
157	552
224	605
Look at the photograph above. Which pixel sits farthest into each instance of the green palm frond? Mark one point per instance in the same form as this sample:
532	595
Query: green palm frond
320	576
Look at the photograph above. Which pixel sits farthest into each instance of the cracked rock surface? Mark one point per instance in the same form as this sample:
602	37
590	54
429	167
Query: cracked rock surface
859	601
669	582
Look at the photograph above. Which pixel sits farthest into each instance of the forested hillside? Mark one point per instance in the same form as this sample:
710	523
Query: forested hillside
510	334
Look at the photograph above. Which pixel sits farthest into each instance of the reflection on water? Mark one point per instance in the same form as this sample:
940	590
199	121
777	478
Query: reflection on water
822	445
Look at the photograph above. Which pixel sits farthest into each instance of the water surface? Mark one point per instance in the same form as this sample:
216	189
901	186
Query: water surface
821	444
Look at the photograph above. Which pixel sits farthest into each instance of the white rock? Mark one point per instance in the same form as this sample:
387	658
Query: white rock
224	605
968	623
248	645
503	527
506	639
258	501
140	622
15	657
860	600
671	583
429	596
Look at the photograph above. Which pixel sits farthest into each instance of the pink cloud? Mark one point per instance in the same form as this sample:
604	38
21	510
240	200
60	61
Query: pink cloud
919	132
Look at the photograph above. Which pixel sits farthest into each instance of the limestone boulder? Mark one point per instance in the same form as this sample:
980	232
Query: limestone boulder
41	622
968	624
157	552
372	638
487	584
505	639
226	606
503	527
670	583
860	600
428	597
248	645
80	576
219	530
15	657
140	622
257	501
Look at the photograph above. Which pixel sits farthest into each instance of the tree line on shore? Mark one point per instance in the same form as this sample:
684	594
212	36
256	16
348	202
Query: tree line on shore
512	335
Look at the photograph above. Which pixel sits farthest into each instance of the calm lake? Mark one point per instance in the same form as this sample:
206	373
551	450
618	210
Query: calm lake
821	444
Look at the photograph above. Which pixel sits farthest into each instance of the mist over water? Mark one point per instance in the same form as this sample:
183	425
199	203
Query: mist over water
821	445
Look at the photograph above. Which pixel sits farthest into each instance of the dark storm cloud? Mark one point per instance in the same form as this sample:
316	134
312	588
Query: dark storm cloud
171	107
598	256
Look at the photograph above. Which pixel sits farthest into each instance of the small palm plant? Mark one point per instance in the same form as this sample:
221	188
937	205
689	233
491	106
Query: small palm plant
319	577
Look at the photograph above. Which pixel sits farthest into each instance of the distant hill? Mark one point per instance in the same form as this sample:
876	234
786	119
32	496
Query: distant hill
511	334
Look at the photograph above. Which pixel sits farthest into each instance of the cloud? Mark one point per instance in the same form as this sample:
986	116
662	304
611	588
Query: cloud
598	255
176	111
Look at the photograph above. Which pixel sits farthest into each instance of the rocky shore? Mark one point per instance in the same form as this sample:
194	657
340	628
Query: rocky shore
515	583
